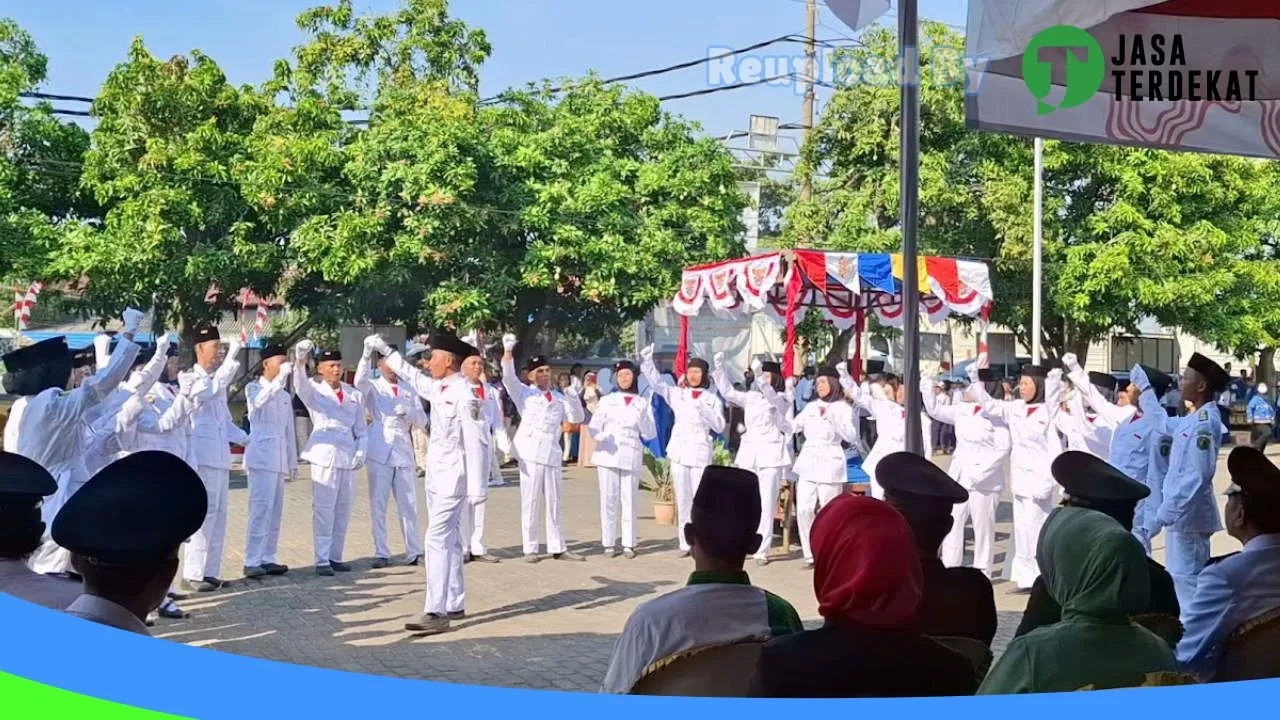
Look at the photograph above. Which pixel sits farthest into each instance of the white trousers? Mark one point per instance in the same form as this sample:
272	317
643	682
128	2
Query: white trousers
445	590
1029	515
810	498
686	479
204	552
981	509
770	482
331	492
383	481
618	488
1185	555
540	482
472	535
266	505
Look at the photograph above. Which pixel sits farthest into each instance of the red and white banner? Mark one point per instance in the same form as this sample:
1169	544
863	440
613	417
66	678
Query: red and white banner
728	286
1217	38
23	302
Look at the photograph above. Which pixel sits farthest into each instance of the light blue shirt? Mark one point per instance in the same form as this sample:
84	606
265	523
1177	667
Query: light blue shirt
1188	505
1260	410
1229	593
804	388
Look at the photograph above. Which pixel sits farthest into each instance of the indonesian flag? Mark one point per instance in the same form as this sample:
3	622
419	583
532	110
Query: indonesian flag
1199	75
858	13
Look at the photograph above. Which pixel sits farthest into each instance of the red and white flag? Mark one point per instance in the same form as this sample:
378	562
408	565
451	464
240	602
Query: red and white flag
1216	42
858	13
260	321
23	302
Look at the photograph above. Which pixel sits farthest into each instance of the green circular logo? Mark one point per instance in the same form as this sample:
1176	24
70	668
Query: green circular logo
1085	69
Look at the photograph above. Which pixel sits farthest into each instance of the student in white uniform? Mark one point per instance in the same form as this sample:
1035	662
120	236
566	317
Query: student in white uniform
765	447
336	450
887	407
699	415
622	423
1082	427
1134	432
123	530
396	409
478	431
212	431
1035	445
826	422
45	421
451	400
110	426
1188	509
542	410
271	456
23	487
982	448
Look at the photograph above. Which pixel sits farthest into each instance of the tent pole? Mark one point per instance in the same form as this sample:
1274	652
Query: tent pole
908	32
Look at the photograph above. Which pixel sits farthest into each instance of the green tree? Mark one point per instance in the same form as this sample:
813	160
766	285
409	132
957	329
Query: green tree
39	162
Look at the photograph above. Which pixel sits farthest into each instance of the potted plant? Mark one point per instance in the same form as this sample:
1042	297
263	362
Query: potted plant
664	496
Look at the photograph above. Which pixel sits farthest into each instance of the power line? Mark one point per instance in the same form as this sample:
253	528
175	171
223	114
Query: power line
724	88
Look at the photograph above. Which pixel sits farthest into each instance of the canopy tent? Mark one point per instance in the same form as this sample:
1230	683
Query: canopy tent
843	286
1217	39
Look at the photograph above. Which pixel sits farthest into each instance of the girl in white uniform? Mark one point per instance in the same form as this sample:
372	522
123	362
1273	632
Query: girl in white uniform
698	415
982	447
887	407
826	422
1031	421
622	423
765	445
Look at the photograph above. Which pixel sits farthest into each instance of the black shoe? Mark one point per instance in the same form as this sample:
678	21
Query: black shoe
200	586
255	572
324	571
467	557
413	561
216	583
1020	591
275	569
457	615
379	563
170	611
428	624
340	566
178	597
485	558
568	555
150	622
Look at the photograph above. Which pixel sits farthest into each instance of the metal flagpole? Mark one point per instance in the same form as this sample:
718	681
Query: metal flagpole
1037	269
908	32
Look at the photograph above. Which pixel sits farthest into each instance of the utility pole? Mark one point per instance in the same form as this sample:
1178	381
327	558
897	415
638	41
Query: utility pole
909	159
1038	252
810	70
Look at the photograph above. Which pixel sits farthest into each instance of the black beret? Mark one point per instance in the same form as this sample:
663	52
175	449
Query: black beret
1210	371
20	475
699	363
329	355
908	474
827	371
136	510
84	357
729	499
626	365
35	355
1088	477
271	350
1102	380
771	367
450	343
1035	371
875	367
1252	473
1160	382
206	332
537	361
986	375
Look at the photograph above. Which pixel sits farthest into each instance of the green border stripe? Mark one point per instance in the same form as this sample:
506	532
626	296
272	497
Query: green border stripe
22	699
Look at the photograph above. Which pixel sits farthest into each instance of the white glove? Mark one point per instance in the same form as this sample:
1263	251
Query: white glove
375	344
401	411
925	382
162	344
508	342
646	355
1071	363
132	319
185	381
302	351
842	369
286	369
719	361
359	459
1138	377
972	372
757	366
234	347
1054	375
790	384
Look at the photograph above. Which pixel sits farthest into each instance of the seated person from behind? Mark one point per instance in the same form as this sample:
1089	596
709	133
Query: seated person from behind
1239	587
23	486
123	529
868	582
719	605
957	602
1091	483
1096	571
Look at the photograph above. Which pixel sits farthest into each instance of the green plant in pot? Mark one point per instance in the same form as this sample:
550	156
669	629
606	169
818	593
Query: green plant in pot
658	472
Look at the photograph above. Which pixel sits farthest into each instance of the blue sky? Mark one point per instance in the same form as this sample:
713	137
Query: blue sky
532	39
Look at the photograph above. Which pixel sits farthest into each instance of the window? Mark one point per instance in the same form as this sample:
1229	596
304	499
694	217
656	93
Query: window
1159	353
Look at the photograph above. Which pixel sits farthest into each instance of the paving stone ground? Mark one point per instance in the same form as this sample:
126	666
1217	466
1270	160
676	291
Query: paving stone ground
549	625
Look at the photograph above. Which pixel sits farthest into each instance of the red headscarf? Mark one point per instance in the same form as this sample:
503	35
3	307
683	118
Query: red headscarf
865	564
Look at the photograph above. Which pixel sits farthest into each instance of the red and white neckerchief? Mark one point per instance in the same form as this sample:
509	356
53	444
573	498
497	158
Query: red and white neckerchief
395	390
1031	409
479	391
697	394
339	391
822	411
627	399
977	409
547	396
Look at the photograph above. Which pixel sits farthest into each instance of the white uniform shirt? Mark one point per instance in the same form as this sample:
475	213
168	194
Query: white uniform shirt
395	409
273	447
698	414
891	423
479	424
1134	432
767	417
451	400
112	425
339	432
1083	430
541	415
165	422
982	445
1035	442
212	429
622	424
824	425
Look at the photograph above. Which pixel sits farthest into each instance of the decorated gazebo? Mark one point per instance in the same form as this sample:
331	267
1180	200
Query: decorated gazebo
844	286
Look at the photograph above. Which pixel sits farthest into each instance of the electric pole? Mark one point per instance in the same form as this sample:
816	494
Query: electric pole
810	71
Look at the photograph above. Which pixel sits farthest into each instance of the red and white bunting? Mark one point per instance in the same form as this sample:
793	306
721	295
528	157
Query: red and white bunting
24	302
